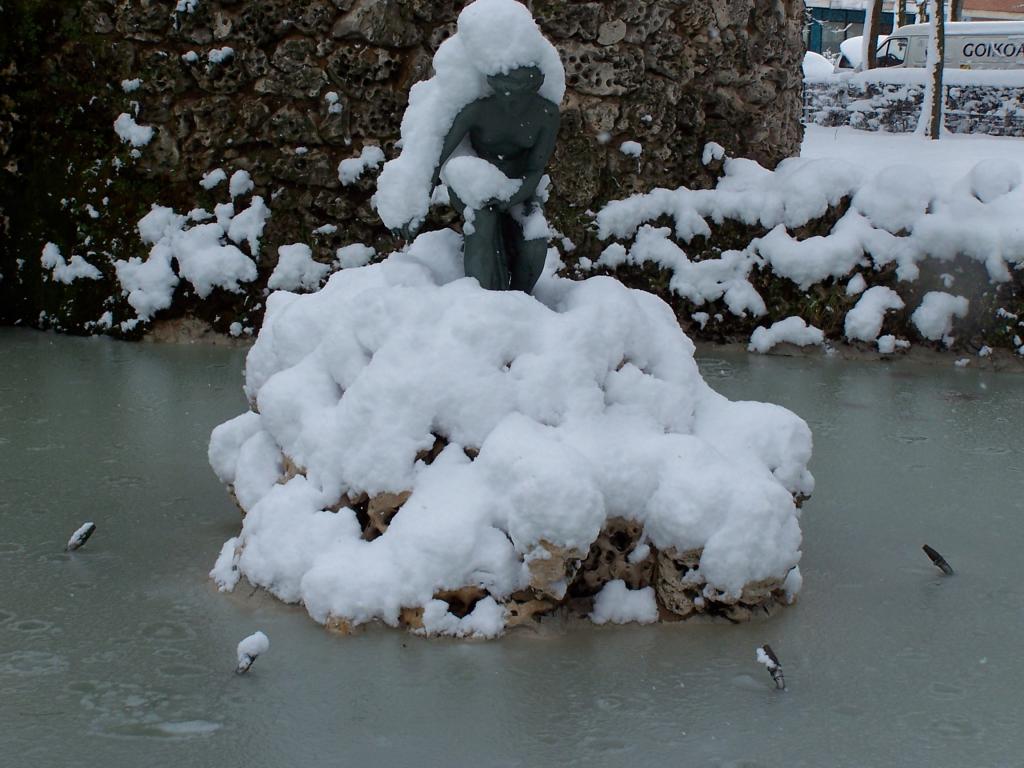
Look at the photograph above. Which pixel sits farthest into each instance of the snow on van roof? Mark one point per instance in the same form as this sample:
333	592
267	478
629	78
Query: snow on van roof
966	28
852	48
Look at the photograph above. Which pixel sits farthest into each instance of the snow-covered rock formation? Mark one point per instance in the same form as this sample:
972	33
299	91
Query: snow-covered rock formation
428	454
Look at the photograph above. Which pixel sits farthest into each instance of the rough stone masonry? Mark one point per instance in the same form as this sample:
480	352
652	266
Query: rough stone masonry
669	74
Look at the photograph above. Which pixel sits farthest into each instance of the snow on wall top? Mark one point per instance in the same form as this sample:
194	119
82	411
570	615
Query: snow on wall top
902	214
493	36
584	405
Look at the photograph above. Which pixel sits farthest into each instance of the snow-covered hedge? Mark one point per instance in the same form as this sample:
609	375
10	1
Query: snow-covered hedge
818	231
987	102
425	453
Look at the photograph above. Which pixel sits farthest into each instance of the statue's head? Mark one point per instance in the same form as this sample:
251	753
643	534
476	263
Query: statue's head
517	82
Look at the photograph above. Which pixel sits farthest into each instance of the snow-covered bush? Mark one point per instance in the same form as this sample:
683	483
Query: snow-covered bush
808	227
430	454
977	101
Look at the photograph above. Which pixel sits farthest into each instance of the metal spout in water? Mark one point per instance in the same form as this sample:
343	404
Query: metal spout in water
938	560
766	656
79	537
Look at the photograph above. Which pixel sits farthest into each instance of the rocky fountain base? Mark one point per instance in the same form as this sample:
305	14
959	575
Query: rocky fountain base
457	461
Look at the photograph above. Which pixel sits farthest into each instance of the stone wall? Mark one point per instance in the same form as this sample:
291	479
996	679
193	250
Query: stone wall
879	106
670	74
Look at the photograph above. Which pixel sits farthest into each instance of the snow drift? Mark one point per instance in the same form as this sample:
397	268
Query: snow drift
425	453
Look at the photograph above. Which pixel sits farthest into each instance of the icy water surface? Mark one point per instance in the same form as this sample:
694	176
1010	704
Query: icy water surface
122	654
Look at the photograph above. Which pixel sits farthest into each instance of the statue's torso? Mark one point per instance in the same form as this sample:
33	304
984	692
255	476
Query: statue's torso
504	137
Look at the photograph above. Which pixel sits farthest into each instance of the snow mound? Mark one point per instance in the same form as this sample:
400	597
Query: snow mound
492	37
417	443
792	330
991	179
816	67
618	604
864	321
934	318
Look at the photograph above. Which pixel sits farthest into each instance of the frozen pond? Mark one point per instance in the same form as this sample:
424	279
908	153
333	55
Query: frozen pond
122	654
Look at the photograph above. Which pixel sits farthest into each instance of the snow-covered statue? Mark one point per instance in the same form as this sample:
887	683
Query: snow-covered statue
485	124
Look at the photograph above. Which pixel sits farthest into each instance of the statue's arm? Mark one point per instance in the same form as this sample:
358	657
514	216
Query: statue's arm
538	160
460	127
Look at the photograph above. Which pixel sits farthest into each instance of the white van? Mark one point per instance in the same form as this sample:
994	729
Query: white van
969	45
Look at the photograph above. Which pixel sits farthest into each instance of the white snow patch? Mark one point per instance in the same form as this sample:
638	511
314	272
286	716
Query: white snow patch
864	321
297	269
212	178
131	132
934	318
67	271
991	179
764	658
631	148
241	183
225	570
204	259
355	255
712	151
129	86
248	225
220	55
252	646
639	554
334	106
888	344
351	169
700	281
618	604
816	67
911	201
792	330
477	182
486	620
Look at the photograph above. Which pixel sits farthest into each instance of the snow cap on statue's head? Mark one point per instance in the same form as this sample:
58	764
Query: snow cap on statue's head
501	35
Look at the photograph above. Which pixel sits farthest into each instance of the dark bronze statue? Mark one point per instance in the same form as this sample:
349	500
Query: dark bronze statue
515	131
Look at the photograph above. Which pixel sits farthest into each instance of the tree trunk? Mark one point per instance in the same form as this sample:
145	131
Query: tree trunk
901	14
872	23
930	123
956	12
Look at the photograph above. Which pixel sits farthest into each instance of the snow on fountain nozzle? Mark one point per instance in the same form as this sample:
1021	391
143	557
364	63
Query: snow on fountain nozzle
79	537
766	656
249	650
